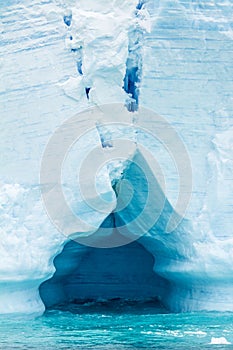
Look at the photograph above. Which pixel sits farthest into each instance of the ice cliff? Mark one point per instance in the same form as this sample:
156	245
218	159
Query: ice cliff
59	58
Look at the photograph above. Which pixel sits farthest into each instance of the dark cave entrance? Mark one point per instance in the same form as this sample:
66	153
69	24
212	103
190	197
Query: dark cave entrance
85	274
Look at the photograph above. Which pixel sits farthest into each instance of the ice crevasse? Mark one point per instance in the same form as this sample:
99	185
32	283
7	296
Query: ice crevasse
60	58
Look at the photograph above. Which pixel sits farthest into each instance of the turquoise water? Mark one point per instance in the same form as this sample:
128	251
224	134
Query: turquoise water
106	326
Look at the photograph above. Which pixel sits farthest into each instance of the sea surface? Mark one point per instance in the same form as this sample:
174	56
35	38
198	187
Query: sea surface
117	326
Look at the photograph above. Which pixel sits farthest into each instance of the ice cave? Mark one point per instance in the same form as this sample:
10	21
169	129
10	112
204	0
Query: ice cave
168	65
112	263
91	275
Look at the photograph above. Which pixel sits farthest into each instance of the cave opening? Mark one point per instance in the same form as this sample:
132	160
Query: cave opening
123	272
106	277
121	275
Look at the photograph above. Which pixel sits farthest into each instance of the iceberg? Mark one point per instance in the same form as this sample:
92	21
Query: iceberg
221	340
85	88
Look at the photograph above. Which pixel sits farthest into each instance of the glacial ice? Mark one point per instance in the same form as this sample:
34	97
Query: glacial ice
52	53
218	341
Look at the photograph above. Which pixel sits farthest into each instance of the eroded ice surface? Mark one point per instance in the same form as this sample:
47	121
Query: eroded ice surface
176	58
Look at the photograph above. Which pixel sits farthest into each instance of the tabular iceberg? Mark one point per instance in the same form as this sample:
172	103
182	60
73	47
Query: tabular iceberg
60	58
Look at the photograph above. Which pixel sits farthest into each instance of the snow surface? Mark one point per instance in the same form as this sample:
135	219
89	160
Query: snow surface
47	65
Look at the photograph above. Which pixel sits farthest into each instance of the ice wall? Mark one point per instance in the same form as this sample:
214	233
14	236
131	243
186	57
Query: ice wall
56	60
187	78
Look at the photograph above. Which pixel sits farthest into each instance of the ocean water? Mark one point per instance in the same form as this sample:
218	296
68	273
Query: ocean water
117	326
